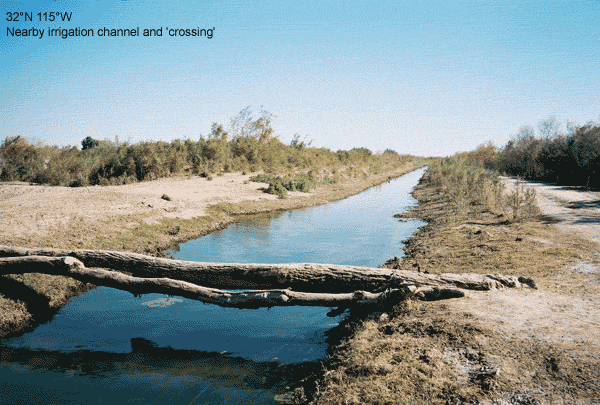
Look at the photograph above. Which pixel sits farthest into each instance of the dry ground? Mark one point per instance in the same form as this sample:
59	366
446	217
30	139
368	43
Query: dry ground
573	210
38	215
499	347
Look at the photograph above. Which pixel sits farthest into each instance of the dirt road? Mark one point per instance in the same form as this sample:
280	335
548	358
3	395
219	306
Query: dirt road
572	210
548	339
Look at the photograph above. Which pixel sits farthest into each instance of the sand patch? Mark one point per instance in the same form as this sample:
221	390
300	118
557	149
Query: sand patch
33	212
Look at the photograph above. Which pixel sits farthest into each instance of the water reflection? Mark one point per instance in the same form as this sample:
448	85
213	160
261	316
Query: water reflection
167	373
106	319
107	345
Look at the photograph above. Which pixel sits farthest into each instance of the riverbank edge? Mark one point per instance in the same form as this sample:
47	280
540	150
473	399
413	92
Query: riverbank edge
50	296
225	214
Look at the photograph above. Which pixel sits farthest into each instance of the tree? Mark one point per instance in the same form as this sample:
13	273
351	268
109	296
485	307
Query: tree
217	132
244	125
89	143
262	126
549	128
241	125
298	144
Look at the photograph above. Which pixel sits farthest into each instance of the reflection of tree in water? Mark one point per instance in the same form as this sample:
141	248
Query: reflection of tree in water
258	225
146	357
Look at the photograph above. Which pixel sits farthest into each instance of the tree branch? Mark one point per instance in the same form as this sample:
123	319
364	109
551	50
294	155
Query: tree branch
308	277
71	267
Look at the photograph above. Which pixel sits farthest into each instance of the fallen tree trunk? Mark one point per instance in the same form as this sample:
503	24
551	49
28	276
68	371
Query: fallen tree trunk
71	267
308	277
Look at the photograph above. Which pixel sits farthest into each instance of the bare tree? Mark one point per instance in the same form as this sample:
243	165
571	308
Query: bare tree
549	128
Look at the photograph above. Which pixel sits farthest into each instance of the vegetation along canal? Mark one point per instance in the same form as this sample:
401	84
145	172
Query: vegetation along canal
109	346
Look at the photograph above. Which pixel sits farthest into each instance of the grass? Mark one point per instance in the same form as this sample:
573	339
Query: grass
13	316
484	242
389	364
467	186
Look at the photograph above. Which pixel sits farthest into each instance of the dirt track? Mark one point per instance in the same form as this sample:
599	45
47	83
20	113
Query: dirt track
573	210
567	319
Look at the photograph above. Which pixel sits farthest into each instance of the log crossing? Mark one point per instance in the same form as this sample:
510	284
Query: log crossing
307	284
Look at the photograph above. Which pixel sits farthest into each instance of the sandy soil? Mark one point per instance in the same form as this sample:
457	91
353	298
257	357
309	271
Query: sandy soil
32	212
134	217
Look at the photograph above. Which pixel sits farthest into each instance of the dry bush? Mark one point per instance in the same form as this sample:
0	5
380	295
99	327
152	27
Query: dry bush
470	187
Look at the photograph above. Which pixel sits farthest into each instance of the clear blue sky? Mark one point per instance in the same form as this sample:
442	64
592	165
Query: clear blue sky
420	77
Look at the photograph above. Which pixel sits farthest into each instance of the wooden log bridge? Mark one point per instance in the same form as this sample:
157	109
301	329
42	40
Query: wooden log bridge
271	284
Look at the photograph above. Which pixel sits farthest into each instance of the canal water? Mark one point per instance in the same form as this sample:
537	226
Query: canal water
107	346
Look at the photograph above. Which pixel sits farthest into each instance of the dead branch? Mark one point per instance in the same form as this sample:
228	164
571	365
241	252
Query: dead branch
308	277
71	267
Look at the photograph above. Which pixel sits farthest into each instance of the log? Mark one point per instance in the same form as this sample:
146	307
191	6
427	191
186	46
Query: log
72	267
308	277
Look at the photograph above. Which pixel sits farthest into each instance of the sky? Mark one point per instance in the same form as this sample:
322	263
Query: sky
428	78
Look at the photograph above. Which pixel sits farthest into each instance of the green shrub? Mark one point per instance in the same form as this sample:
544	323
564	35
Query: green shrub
298	183
166	197
278	189
19	160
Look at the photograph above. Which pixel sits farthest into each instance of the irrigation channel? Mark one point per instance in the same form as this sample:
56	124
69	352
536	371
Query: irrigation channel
107	346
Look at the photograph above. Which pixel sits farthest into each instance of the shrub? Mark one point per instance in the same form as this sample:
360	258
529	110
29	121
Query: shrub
572	159
468	185
278	189
299	183
19	160
522	202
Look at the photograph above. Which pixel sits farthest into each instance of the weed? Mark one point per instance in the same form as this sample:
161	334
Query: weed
166	197
469	186
522	202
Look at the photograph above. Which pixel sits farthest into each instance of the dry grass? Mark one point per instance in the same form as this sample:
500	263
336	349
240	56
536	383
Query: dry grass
487	242
387	362
13	315
435	355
